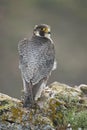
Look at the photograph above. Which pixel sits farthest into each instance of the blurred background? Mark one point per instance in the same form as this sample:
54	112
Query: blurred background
68	20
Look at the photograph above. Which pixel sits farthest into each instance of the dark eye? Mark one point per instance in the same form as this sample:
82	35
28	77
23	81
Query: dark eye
42	29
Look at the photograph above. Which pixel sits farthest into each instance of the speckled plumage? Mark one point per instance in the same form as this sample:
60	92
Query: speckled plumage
36	61
36	58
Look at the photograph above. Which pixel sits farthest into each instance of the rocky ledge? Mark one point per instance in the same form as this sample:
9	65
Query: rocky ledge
59	108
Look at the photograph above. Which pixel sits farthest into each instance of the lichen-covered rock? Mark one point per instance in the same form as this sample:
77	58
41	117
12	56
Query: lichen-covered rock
58	106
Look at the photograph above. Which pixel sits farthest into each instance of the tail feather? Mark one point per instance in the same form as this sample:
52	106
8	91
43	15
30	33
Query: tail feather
28	94
33	92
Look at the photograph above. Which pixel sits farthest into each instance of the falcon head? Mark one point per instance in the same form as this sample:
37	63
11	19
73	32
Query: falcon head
42	30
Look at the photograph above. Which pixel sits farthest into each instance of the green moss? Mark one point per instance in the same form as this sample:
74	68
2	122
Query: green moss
5	104
17	114
79	119
65	109
76	119
55	112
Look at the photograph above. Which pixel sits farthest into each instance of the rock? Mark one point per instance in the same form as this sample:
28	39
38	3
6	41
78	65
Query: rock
58	106
83	88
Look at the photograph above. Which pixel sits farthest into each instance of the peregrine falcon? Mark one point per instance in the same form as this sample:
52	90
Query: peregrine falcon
36	62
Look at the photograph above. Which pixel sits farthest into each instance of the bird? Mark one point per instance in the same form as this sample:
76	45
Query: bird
36	62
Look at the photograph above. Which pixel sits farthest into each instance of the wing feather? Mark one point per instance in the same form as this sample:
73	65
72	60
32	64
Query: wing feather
36	58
